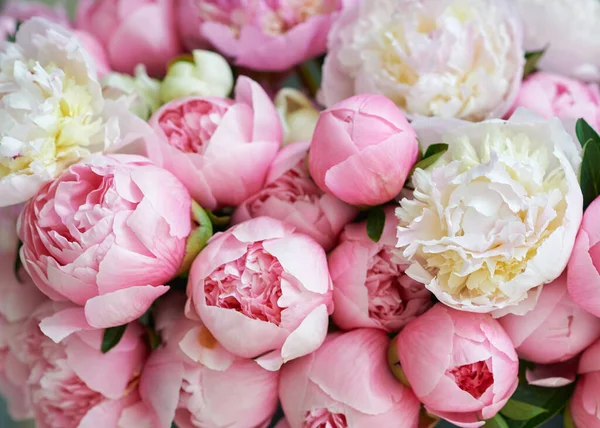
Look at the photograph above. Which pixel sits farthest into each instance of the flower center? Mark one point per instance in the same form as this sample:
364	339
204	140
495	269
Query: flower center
473	378
323	418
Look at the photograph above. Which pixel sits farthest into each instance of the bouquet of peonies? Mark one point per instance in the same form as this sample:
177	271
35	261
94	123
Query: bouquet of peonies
187	239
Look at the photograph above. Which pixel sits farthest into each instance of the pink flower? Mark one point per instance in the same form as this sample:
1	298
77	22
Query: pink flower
133	32
292	196
551	95
556	330
586	398
263	34
191	379
347	384
363	150
105	235
96	51
263	291
21	11
461	365
370	288
219	148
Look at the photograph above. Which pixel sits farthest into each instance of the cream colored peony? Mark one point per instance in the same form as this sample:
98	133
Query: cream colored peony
52	112
496	216
447	58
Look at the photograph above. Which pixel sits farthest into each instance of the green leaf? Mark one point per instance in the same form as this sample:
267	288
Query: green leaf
568	417
432	154
585	132
199	237
519	411
112	337
12	37
496	422
218	220
531	61
375	223
589	177
18	264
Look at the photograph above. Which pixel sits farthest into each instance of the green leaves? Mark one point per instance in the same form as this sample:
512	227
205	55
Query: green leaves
520	411
13	36
585	132
432	154
18	264
531	61
198	238
496	422
375	223
112	337
589	176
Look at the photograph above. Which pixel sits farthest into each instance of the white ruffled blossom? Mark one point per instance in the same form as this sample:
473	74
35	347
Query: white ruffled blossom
141	91
446	58
496	216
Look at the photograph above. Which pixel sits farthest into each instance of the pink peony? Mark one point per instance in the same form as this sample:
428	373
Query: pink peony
263	291
262	34
346	384
363	150
370	288
586	398
105	235
219	148
21	11
292	196
95	50
556	330
133	32
551	95
462	366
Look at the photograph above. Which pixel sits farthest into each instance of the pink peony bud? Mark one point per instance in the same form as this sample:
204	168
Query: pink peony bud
461	365
586	398
363	150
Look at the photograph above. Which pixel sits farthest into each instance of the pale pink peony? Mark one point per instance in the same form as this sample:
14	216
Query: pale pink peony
292	196
263	291
105	235
21	11
585	401
473	371
95	50
220	149
346	383
370	288
269	35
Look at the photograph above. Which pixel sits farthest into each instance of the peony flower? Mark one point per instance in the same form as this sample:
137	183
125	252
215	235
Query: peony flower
363	150
95	50
186	380
105	235
551	95
567	30
220	149
263	291
346	384
473	371
449	58
298	115
370	288
21	11
142	32
262	34
52	110
495	217
290	195
556	330
586	397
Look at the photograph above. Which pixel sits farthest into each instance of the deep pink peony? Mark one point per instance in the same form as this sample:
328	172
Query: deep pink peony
362	150
292	196
263	291
370	288
220	149
346	384
461	365
105	235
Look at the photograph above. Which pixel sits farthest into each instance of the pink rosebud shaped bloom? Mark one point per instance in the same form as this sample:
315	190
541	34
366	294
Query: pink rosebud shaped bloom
263	34
363	150
462	366
220	149
263	291
555	330
551	95
133	32
370	288
193	380
347	383
105	235
585	401
292	196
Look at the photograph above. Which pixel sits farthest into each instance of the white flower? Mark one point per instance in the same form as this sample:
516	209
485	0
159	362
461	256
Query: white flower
448	58
298	115
52	112
570	31
140	91
496	216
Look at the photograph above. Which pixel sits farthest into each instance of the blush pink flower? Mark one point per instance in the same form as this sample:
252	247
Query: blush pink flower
346	384
105	235
95	50
292	196
260	34
585	401
21	11
220	149
370	288
472	372
362	150
263	291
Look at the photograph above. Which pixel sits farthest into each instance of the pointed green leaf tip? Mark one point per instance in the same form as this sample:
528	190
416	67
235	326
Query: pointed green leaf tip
112	337
432	154
375	223
520	411
531	61
589	175
496	422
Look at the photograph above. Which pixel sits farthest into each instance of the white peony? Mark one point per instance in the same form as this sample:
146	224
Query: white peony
52	112
496	216
447	58
141	92
569	30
